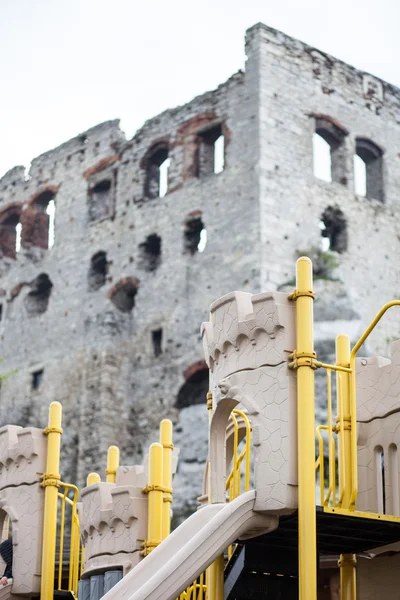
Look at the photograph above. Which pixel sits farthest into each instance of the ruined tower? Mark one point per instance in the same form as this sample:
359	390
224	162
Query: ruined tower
107	319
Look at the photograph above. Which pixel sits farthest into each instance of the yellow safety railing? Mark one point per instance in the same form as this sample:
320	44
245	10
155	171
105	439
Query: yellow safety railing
69	519
240	457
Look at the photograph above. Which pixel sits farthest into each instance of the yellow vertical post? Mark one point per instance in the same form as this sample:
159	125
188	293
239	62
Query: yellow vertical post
166	442
347	562
112	464
304	362
51	481
155	498
93	478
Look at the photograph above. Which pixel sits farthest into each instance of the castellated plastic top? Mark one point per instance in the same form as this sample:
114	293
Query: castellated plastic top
248	331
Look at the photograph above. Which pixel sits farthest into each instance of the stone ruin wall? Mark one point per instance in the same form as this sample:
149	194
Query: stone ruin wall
96	336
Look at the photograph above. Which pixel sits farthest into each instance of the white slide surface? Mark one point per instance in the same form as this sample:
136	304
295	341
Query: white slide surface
191	548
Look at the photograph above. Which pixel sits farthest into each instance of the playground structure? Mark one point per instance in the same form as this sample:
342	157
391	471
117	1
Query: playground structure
259	531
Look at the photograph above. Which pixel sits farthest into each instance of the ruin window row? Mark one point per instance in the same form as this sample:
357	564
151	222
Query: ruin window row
330	159
32	227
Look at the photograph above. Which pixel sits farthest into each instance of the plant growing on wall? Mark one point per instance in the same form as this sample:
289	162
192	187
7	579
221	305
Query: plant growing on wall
324	261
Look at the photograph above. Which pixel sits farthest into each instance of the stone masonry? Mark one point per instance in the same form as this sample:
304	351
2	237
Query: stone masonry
107	320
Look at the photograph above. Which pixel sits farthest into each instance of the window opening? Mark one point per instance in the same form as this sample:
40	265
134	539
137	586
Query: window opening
18	235
333	230
194	390
156	337
195	235
1	312
100	200
157	170
329	152
150	252
37	300
211	151
51	212
37	378
98	271
368	170
322	158
394	479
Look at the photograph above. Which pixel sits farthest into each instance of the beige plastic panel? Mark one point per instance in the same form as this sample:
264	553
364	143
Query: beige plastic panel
113	520
248	331
378	385
378	421
5	593
22	463
378	579
247	344
192	547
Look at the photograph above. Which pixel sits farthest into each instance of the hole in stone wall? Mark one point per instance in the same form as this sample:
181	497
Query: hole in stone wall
195	235
368	170
194	390
37	300
157	167
329	151
333	230
122	295
211	151
37	377
156	338
150	252
1	312
100	200
98	271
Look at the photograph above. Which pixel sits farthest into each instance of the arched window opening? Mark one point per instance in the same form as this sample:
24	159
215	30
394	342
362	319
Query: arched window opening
150	253
98	271
43	231
380	479
10	232
122	295
37	300
329	151
333	230
368	170
195	235
211	151
157	165
194	390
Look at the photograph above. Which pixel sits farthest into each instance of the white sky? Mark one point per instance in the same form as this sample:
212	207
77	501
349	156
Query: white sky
67	65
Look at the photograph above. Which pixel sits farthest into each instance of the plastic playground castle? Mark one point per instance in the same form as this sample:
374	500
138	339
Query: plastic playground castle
273	511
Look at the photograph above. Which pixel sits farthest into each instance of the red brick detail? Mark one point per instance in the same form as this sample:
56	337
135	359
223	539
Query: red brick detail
130	282
195	123
330	120
101	165
17	289
195	367
9	217
50	189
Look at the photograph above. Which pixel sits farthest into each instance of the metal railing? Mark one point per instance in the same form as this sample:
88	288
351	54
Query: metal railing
69	520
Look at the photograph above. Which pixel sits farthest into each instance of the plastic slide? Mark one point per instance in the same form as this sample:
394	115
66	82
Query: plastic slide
5	593
191	548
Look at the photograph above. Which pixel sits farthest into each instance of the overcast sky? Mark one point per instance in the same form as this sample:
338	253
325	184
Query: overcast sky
67	65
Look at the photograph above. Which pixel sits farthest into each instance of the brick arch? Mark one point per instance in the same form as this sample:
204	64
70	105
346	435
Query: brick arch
195	388
10	216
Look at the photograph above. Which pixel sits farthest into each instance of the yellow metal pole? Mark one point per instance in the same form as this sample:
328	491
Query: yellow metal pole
93	478
304	362
166	442
51	481
112	464
347	562
155	498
